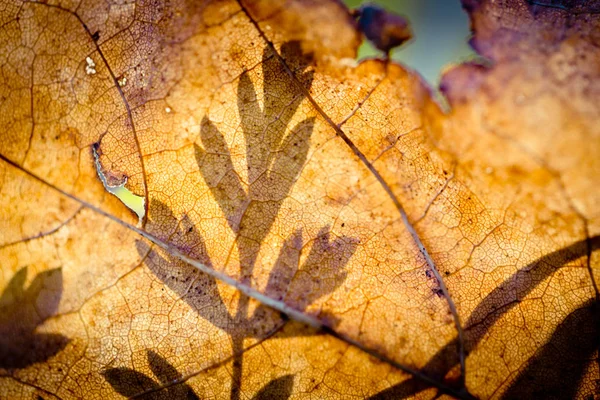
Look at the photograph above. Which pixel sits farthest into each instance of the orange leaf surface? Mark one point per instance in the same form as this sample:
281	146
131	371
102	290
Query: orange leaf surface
312	227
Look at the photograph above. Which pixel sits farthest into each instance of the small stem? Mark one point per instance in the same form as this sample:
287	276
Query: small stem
238	348
236	384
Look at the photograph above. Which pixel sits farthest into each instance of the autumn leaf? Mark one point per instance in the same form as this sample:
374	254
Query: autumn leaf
312	227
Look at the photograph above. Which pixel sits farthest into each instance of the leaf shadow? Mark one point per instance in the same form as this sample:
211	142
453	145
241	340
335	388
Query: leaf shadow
279	388
131	383
198	290
273	159
22	311
322	270
489	311
275	156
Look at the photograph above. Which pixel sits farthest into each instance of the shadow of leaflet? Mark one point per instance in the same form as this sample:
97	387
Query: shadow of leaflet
493	306
22	311
280	388
133	384
274	161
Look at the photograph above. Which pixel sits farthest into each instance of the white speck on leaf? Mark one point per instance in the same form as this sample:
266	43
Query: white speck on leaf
348	62
90	68
167	110
122	82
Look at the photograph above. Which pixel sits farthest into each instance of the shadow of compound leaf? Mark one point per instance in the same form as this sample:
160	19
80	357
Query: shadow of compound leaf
131	383
274	159
22	311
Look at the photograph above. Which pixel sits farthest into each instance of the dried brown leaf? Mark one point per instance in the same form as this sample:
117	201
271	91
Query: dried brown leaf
285	186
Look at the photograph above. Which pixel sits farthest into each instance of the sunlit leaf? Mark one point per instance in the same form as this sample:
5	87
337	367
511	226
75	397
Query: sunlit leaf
311	227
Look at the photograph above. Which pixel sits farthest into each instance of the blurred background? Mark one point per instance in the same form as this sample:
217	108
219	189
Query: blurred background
440	35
